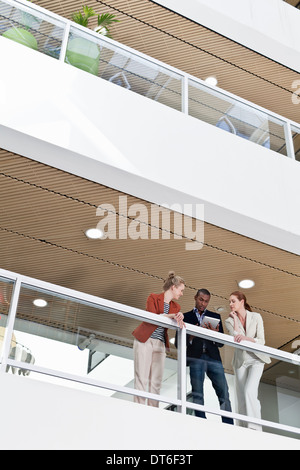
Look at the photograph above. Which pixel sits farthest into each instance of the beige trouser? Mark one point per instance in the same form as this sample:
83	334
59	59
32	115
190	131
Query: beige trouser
247	382
149	361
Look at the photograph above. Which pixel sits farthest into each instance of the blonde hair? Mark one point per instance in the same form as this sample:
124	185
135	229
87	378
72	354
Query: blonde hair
172	280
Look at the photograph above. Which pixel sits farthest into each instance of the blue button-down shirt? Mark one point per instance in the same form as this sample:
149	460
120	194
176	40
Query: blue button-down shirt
200	317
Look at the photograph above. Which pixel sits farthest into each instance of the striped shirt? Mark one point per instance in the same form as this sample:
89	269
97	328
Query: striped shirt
159	333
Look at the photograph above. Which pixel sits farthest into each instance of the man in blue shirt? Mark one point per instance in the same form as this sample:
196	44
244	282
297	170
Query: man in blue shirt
203	356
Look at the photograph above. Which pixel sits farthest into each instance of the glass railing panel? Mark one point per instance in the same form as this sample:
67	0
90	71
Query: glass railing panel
267	389
78	339
123	68
72	337
280	394
31	28
296	141
6	289
236	117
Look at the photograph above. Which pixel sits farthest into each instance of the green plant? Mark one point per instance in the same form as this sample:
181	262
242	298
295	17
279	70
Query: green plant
104	21
81	52
85	53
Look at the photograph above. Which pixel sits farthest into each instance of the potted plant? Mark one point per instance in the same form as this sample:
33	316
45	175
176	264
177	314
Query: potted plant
83	53
22	34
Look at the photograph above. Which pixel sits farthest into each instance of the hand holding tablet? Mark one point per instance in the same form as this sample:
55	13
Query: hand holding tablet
210	322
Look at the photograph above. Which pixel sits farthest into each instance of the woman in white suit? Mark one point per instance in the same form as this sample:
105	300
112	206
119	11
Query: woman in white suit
246	325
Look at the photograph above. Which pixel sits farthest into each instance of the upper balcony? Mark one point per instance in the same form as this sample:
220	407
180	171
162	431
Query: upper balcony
80	47
209	126
252	47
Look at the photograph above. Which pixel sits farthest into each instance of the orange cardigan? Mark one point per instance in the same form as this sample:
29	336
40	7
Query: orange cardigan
155	304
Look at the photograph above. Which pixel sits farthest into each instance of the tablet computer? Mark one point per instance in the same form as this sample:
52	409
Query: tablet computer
213	321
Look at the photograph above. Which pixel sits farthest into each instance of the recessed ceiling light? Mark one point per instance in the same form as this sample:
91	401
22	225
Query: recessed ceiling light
211	81
40	302
94	233
246	283
220	309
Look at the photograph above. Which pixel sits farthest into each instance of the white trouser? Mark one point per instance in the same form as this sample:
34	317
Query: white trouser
149	361
247	378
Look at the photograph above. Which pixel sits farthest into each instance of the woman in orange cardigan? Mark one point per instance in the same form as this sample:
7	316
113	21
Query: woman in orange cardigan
150	341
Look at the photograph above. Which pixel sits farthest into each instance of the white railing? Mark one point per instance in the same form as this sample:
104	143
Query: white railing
18	299
122	65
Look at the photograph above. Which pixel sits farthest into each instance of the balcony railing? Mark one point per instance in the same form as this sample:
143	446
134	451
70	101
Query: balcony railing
67	41
54	332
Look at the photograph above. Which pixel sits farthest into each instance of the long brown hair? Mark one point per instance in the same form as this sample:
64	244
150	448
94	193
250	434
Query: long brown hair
242	296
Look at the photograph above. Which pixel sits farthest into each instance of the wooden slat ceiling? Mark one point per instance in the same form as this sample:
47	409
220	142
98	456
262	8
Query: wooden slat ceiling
188	46
44	214
294	3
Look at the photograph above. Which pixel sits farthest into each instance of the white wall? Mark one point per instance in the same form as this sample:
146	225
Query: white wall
37	415
270	27
59	115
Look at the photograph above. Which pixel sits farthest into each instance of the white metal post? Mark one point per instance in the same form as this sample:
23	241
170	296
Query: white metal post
289	140
185	94
181	346
10	324
65	40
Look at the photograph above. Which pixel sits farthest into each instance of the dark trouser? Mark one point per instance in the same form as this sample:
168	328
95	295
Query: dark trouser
215	372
